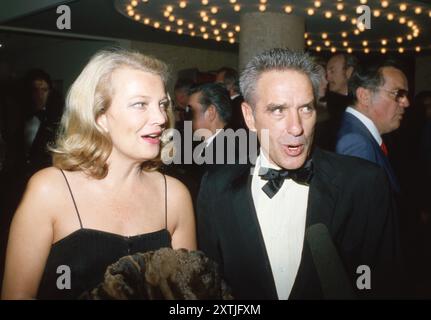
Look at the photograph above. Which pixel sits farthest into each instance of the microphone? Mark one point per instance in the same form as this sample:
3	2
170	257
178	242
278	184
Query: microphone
335	283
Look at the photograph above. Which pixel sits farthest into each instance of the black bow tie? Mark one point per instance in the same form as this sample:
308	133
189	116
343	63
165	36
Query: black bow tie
276	177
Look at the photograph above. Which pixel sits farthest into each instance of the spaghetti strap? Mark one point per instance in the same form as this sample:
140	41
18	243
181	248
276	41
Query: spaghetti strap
166	203
73	199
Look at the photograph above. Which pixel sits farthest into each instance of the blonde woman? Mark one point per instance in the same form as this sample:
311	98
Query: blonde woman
103	198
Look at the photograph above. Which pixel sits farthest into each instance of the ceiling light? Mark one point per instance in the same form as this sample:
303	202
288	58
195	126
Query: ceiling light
288	9
328	14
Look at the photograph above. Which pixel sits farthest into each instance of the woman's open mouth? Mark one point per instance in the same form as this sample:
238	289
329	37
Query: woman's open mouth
152	138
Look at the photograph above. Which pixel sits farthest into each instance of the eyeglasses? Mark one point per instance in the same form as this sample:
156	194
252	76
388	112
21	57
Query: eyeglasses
398	94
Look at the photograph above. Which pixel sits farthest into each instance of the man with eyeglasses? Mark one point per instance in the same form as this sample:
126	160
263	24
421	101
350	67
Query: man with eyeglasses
380	94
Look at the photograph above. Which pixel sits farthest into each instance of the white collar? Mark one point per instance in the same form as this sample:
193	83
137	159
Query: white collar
264	162
366	122
210	139
234	96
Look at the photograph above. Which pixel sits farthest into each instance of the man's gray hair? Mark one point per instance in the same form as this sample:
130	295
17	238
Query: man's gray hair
278	59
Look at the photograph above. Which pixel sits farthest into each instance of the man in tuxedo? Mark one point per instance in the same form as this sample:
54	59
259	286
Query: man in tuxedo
254	220
228	77
339	70
181	99
210	111
380	97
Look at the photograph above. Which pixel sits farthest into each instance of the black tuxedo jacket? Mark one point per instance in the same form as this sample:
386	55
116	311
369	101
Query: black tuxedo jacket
348	195
237	119
219	152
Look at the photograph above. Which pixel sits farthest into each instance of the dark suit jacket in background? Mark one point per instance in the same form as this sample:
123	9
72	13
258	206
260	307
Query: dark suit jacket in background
237	119
191	174
354	139
348	195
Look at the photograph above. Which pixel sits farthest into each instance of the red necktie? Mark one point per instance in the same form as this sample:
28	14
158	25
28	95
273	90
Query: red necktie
384	148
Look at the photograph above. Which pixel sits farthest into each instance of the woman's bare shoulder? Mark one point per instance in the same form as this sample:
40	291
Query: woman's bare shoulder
46	180
177	189
46	187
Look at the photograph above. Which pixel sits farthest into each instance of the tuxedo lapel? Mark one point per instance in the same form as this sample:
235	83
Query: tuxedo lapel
250	236
322	200
323	192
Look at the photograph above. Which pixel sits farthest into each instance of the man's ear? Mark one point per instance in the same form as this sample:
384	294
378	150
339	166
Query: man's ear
211	113
349	72
363	96
247	112
102	122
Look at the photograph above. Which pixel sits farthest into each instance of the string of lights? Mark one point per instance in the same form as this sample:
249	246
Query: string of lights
219	21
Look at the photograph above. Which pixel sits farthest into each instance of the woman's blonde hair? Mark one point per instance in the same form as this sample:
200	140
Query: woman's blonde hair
81	143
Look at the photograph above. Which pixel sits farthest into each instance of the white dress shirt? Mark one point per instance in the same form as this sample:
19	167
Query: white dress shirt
282	222
366	122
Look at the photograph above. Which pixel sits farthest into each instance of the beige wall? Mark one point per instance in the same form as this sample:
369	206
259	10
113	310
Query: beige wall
179	58
423	73
75	53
